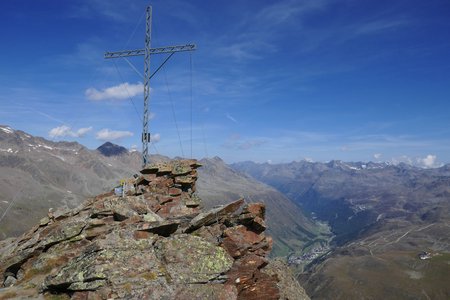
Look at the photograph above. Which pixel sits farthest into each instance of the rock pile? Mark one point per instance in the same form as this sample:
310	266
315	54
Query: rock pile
153	242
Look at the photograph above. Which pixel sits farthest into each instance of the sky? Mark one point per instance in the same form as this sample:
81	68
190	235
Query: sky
270	81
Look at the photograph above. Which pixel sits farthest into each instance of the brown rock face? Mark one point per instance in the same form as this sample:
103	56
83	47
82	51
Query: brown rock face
151	242
253	216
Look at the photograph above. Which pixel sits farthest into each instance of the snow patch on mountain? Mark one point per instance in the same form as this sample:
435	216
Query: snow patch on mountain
9	150
6	129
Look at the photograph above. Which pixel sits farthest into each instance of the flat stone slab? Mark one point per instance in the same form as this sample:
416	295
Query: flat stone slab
213	215
165	228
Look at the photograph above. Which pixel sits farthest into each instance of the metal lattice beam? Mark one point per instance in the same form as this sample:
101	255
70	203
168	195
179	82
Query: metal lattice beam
148	41
160	50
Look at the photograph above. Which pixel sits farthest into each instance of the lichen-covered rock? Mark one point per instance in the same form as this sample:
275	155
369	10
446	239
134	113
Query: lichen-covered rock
191	259
193	201
154	243
150	216
207	291
57	234
107	263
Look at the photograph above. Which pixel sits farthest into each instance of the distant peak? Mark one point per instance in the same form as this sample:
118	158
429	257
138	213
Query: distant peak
6	129
110	149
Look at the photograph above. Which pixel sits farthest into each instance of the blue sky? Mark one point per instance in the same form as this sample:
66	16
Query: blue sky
271	80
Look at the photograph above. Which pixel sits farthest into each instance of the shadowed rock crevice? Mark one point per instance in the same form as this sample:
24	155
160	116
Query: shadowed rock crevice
149	241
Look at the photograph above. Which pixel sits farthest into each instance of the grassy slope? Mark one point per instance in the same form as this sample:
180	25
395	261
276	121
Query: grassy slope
386	266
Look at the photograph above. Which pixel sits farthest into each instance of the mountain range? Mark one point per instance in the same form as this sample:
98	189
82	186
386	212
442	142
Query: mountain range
37	174
350	230
383	217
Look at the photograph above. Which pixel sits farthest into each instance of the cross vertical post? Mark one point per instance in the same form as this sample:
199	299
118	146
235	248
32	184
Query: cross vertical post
148	40
147	52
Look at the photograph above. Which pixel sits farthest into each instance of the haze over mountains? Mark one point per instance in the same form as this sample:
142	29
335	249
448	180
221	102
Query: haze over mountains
352	196
352	230
383	216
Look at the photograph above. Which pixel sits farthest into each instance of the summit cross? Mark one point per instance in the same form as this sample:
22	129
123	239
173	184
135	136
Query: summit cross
147	52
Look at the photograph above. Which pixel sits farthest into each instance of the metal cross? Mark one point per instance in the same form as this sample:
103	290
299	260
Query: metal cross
147	75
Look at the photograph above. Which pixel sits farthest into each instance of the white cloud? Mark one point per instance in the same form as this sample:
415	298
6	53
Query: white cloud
82	131
64	130
377	155
59	131
229	117
429	161
118	92
109	135
155	138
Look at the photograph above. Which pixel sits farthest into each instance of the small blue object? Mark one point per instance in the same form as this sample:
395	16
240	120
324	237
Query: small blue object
118	191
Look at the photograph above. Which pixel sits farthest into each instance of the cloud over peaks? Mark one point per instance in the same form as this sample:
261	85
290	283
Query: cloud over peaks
118	92
109	135
430	161
64	131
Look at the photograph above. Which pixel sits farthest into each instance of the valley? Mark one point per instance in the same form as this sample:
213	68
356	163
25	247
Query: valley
383	216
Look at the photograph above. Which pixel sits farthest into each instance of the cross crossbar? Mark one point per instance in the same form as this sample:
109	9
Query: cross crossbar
160	50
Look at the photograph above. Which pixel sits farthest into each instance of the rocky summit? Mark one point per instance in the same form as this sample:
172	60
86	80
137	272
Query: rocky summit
147	239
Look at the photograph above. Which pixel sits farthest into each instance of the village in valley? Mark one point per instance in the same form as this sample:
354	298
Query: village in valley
309	256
